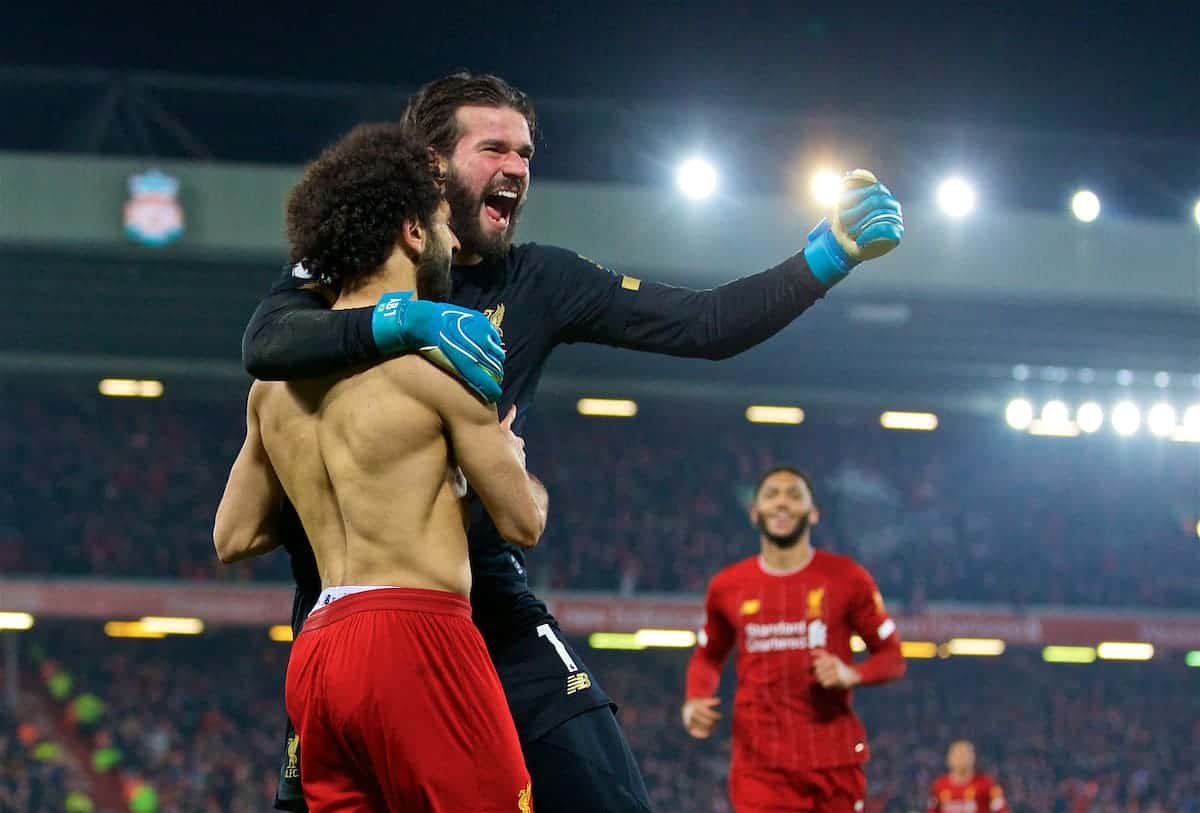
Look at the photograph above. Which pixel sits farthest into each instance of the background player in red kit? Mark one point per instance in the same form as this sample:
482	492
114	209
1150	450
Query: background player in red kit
390	686
962	790
790	611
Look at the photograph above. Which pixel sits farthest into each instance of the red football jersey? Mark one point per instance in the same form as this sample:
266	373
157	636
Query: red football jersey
980	794
782	718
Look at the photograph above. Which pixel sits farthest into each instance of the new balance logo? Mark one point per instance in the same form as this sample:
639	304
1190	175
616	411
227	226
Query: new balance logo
578	682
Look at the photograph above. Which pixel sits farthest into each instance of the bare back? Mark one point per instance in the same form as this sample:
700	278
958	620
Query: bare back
366	460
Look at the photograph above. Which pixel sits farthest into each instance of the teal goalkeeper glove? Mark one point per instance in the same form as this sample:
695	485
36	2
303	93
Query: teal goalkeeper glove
867	223
459	340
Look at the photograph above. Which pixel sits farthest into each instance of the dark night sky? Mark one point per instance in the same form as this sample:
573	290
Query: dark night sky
1114	67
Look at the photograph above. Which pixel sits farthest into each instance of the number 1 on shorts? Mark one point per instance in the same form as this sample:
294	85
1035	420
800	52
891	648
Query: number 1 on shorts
544	631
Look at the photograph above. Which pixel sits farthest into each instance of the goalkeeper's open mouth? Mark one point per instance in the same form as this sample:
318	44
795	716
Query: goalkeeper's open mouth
500	205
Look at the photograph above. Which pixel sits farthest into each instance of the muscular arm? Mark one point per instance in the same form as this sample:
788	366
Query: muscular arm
592	304
248	514
293	334
492	462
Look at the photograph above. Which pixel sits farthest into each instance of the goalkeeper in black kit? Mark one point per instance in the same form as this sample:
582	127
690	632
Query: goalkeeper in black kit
537	297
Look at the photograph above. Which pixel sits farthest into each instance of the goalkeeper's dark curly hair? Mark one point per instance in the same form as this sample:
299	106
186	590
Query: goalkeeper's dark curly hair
345	215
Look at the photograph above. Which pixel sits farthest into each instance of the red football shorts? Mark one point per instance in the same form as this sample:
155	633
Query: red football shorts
398	707
825	790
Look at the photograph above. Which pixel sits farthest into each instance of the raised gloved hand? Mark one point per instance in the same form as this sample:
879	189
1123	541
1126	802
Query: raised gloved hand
459	340
866	223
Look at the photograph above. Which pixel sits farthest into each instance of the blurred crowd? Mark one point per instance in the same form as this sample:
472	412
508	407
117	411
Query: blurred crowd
200	721
29	781
972	512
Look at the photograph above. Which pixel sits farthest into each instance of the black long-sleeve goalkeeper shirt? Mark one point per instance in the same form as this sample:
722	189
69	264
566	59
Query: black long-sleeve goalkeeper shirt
539	297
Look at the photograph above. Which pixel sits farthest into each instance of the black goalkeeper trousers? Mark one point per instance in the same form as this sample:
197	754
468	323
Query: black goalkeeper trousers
585	766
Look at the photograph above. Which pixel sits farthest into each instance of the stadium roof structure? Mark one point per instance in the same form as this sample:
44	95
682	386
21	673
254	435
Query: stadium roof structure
163	116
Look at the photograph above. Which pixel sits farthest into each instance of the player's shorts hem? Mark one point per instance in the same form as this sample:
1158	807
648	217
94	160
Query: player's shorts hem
404	599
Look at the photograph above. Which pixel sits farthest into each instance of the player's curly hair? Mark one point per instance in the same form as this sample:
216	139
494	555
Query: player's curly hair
345	215
432	109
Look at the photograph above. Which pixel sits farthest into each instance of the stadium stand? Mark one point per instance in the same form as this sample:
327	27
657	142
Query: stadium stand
115	489
199	720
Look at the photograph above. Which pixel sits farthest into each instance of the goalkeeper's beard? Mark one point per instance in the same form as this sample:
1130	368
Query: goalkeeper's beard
433	270
789	539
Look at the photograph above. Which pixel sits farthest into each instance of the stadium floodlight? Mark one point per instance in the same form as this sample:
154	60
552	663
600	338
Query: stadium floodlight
1085	206
1189	427
918	649
614	640
1125	651
15	621
975	646
1068	654
129	629
607	407
130	388
825	186
775	414
1126	418
171	625
1019	414
1191	418
681	639
1063	429
1160	420
1089	417
1196	213
956	197
913	421
1055	413
696	178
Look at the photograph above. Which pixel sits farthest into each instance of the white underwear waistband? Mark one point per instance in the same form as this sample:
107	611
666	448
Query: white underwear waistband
332	594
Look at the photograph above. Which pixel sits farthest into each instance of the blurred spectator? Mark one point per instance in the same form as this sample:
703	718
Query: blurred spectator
972	512
201	721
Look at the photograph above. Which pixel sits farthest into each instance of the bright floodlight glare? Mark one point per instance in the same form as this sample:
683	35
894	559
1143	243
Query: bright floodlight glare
1161	419
825	186
1126	418
956	197
1196	213
1055	412
696	178
1191	419
1019	414
1089	417
1085	205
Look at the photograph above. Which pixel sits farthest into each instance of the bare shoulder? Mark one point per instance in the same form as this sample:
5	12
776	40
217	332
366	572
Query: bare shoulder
259	392
428	383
